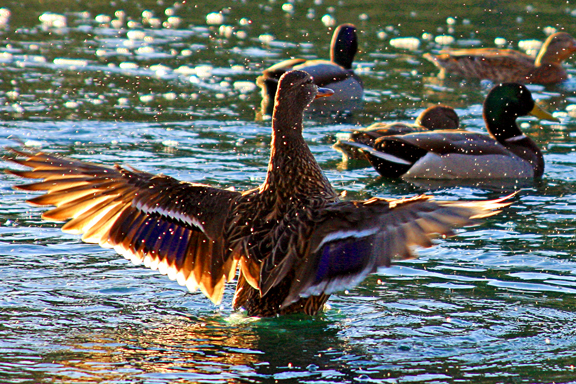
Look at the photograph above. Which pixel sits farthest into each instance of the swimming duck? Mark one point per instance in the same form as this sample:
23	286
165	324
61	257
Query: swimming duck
292	240
432	118
505	65
460	154
337	74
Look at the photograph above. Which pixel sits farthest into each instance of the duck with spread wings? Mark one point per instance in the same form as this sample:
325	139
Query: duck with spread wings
292	240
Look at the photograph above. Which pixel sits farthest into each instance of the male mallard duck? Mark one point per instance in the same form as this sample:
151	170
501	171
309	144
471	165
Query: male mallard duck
460	154
336	73
505	65
432	118
293	241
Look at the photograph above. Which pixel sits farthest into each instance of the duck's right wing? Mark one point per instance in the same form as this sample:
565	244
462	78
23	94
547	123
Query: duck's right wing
173	226
409	148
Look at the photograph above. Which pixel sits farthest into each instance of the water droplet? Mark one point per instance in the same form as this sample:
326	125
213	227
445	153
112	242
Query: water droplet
287	7
550	30
102	19
500	41
410	43
328	20
244	86
266	38
444	39
52	20
530	45
214	18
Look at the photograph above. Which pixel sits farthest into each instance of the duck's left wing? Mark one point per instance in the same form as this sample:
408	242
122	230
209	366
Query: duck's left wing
173	226
353	239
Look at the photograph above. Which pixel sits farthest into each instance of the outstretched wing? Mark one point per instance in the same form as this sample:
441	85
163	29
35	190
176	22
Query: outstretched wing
353	239
173	226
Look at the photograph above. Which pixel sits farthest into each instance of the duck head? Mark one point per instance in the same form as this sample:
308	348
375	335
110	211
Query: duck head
296	90
506	102
557	48
344	45
439	117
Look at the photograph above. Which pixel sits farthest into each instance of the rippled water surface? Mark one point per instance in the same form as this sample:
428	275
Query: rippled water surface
169	87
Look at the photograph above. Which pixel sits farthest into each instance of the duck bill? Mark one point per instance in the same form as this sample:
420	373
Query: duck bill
542	114
324	92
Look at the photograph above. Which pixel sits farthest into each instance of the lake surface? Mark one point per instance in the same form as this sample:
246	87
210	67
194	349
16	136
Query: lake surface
169	87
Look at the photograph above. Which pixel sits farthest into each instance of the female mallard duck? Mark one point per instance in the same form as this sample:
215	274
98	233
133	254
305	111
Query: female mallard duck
460	154
336	73
505	65
293	241
432	118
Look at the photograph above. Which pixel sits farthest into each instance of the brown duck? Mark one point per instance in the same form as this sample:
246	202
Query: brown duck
434	117
292	240
505	65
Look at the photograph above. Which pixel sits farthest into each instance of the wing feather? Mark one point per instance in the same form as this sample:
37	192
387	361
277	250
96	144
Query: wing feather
353	239
76	208
172	226
85	219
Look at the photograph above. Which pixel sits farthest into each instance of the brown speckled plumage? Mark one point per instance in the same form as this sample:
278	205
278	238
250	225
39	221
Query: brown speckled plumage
505	65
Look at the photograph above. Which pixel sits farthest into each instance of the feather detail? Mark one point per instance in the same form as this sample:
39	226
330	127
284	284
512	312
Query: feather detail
380	230
150	219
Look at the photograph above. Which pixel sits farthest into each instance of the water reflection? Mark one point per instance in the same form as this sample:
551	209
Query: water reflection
209	350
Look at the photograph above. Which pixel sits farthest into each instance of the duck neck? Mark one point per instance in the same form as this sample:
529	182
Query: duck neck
293	172
545	56
553	53
501	126
343	48
341	55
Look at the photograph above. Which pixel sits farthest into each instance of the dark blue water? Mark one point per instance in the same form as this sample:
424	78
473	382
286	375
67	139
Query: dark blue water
494	304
